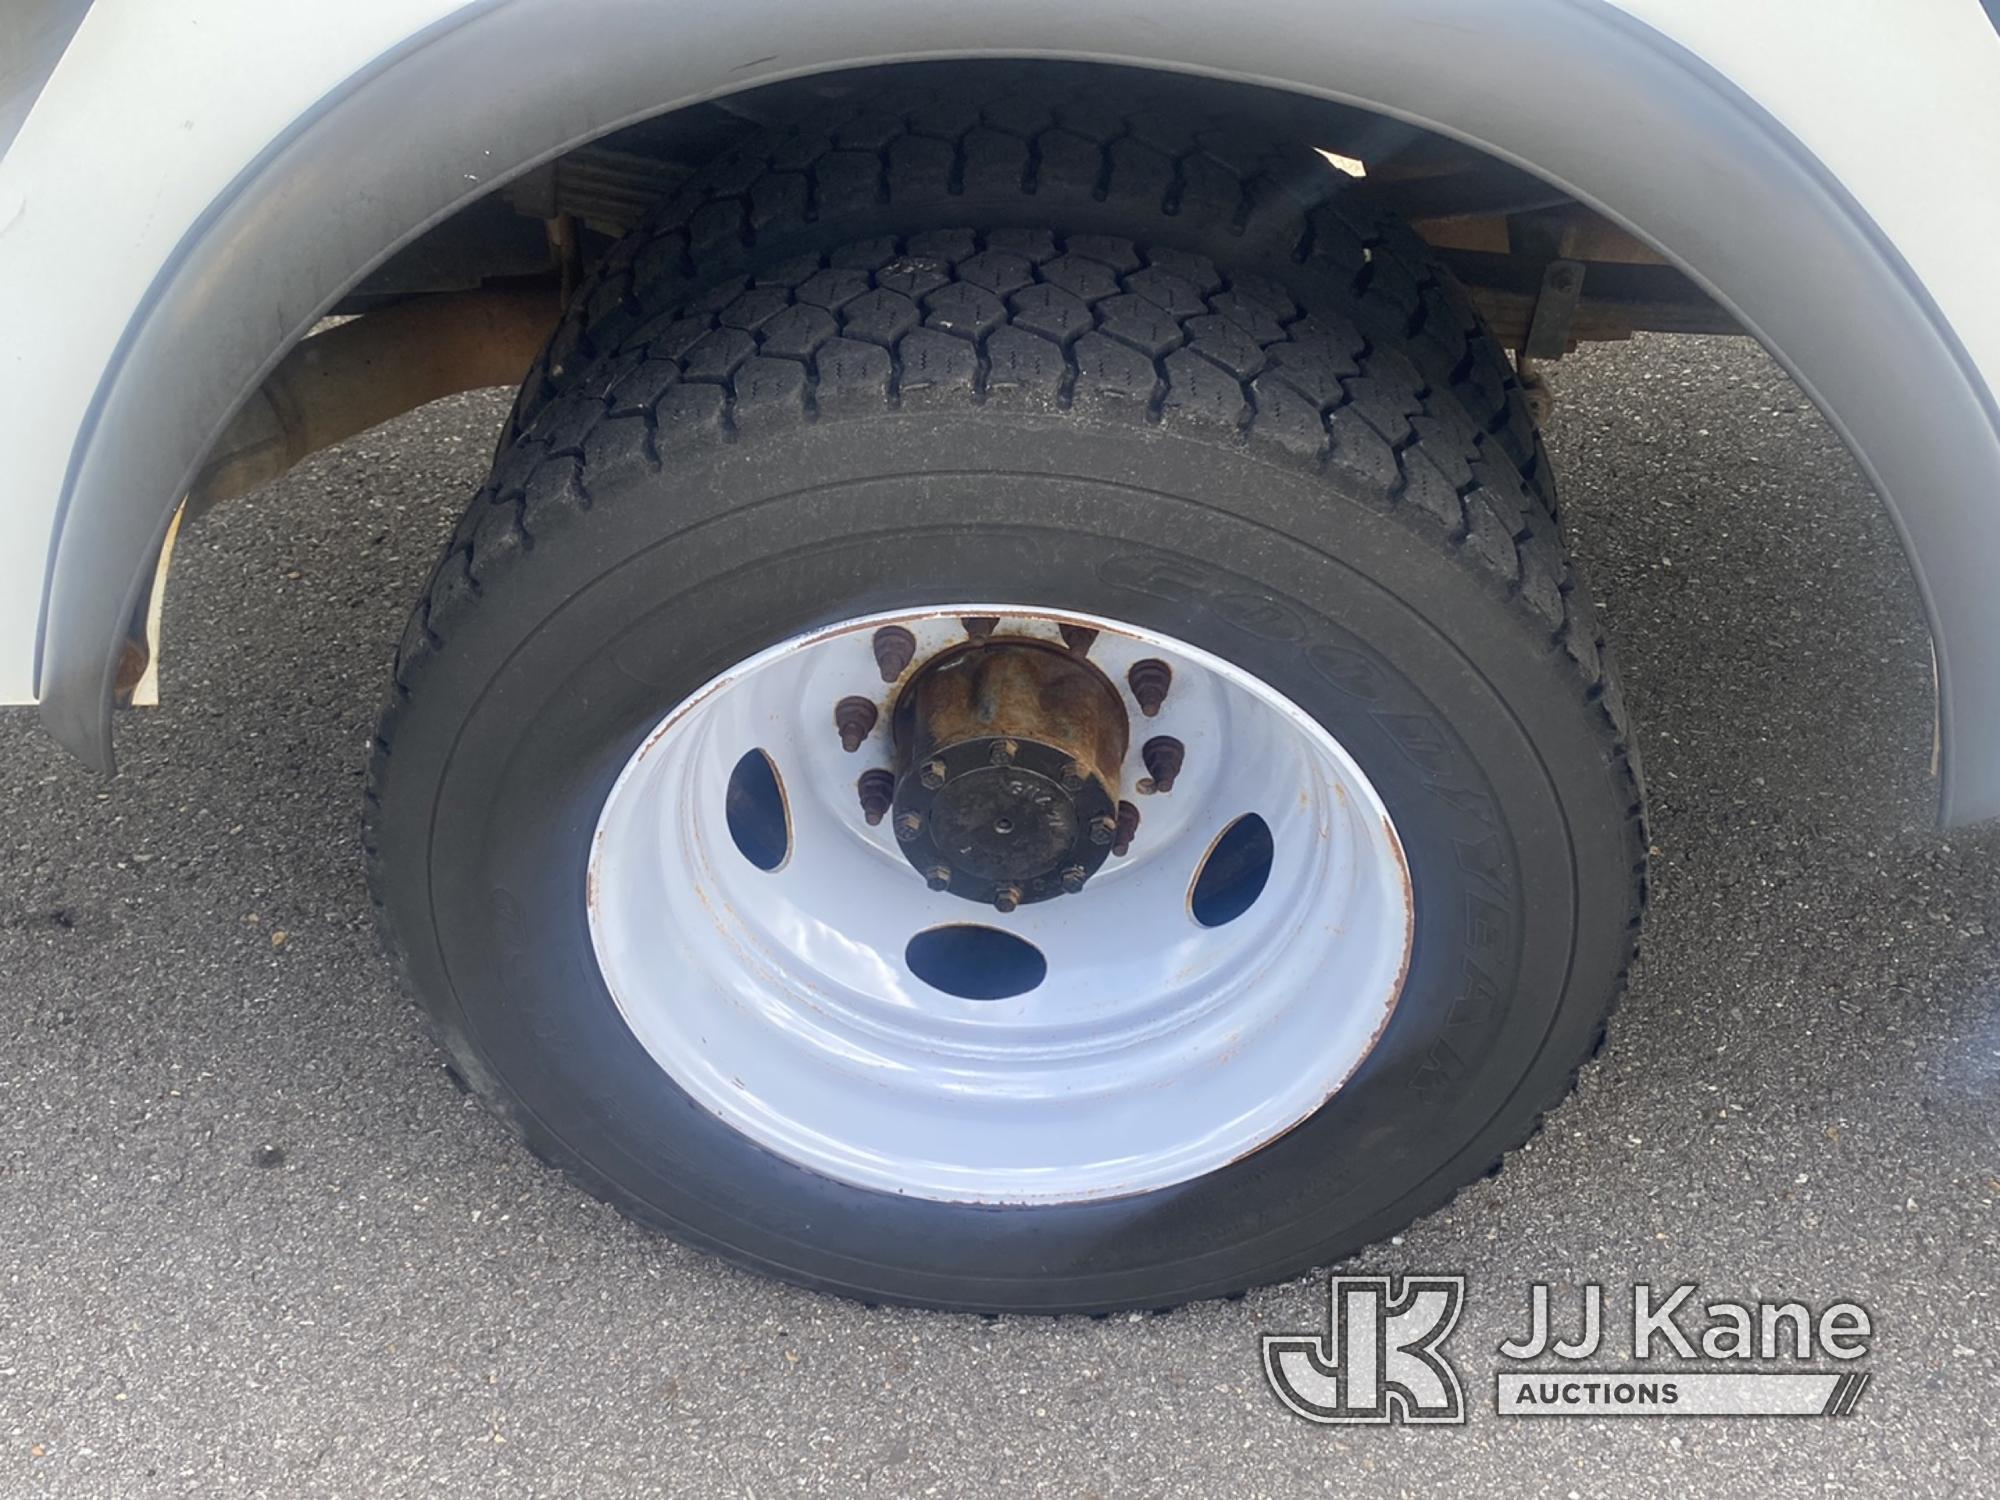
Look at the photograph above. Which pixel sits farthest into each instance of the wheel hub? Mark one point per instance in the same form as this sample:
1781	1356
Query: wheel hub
1009	755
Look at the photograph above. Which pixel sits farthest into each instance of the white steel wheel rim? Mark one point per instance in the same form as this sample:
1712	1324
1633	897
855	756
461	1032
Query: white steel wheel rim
1154	1051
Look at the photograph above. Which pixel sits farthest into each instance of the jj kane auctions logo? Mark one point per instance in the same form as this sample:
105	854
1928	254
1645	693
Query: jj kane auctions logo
1382	1357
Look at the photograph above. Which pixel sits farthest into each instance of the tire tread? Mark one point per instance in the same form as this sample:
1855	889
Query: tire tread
1047	136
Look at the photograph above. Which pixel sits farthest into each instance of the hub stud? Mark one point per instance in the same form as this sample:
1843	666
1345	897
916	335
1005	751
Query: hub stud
938	877
877	789
909	826
1006	898
1103	830
854	718
1163	755
933	775
895	649
1073	878
1003	752
1128	825
1149	681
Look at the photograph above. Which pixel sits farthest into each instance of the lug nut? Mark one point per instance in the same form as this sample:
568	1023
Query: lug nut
908	826
1073	878
938	877
1003	752
932	776
855	719
1079	638
1006	898
1149	681
1072	777
878	794
1163	755
895	649
1128	825
1103	830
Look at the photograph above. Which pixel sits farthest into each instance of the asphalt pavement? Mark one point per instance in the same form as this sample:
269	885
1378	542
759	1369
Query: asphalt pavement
253	1242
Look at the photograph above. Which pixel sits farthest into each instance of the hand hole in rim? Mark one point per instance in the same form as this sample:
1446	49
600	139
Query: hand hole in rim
1233	873
975	962
754	806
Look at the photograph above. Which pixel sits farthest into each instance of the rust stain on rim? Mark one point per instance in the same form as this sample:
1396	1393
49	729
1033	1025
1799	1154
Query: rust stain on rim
1408	890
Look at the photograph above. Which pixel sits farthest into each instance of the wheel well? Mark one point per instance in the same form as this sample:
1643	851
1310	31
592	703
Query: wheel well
1641	132
1497	226
468	302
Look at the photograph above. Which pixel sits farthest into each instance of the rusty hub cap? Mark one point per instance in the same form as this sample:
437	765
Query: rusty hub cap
1012	752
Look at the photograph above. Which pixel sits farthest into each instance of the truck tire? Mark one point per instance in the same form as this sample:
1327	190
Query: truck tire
619	822
1080	148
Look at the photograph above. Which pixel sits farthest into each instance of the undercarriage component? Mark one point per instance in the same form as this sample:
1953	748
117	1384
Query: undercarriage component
345	379
356	374
1555	310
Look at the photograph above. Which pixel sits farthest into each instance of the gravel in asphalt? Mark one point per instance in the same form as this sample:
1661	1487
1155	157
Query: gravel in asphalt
252	1242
